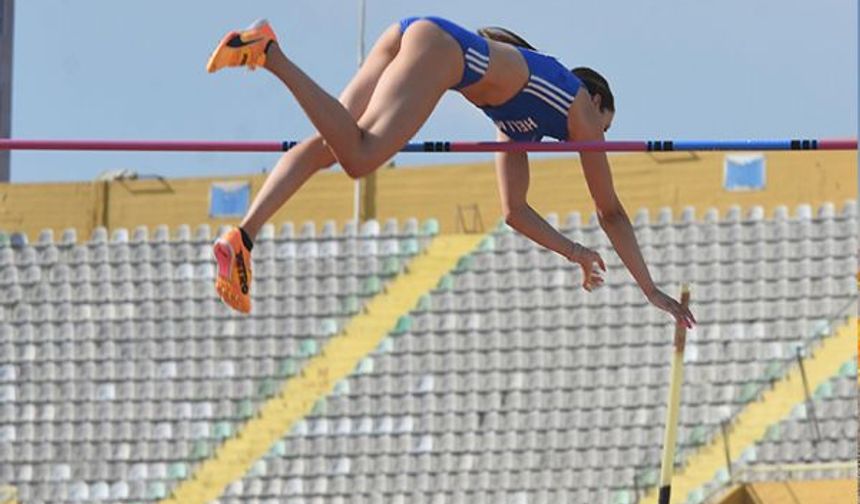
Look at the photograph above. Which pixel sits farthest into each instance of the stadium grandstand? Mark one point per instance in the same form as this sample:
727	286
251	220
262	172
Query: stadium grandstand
427	353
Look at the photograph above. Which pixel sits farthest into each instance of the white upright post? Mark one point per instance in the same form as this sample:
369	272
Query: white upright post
356	200
7	24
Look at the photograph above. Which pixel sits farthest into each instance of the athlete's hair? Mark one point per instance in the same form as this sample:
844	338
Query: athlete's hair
596	85
594	82
500	34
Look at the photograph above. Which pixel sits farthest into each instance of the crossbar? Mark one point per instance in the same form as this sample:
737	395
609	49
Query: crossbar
439	146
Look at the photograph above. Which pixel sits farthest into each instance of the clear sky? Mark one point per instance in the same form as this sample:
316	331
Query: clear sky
134	69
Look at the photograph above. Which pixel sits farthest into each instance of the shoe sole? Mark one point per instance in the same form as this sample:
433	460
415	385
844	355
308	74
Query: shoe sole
210	65
223	253
223	44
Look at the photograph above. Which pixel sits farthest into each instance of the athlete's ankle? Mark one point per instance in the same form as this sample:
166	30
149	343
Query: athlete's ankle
246	239
273	54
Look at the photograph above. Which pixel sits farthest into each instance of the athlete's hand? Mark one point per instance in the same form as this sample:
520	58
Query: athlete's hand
666	303
589	261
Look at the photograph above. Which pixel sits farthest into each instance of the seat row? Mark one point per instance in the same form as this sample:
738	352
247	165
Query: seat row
203	233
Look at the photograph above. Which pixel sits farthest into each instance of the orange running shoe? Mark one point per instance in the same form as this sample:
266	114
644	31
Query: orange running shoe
245	48
233	282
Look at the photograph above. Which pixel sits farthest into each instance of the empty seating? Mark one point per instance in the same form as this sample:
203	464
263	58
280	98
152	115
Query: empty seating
120	371
818	433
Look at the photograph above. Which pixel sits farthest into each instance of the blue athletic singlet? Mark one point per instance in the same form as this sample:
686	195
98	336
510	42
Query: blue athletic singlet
539	109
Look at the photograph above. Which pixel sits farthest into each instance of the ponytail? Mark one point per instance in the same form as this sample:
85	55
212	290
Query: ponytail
504	35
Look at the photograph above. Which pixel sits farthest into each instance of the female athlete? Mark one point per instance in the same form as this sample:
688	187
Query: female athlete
528	95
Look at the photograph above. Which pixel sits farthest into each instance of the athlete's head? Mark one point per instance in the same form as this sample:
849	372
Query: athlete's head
597	85
601	95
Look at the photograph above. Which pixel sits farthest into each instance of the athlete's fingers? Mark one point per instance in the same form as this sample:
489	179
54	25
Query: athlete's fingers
594	281
600	262
586	277
690	316
681	315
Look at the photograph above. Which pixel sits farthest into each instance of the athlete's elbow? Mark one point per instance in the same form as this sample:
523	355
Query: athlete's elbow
513	216
609	214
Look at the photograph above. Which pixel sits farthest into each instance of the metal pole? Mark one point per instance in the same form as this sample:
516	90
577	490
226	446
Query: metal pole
810	405
362	18
673	406
725	429
7	24
356	197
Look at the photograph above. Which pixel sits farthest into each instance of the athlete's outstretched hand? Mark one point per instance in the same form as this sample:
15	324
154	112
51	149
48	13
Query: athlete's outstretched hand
588	260
666	303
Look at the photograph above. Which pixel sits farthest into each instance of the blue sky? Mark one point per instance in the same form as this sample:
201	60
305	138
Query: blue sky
679	69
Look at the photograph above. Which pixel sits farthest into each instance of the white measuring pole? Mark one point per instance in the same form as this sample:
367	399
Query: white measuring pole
356	200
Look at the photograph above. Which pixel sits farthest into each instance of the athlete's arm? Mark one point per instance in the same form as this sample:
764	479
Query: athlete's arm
585	125
512	172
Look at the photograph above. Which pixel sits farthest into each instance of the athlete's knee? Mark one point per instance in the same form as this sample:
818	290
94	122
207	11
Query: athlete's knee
359	160
352	164
359	163
357	168
349	170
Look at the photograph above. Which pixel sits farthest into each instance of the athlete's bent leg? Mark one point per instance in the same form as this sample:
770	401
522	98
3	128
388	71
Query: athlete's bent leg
428	63
298	164
407	90
233	250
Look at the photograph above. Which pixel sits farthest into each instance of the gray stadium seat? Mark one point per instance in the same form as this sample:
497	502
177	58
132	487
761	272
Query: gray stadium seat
503	362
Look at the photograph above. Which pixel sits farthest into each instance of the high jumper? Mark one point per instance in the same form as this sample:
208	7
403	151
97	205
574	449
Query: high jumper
527	94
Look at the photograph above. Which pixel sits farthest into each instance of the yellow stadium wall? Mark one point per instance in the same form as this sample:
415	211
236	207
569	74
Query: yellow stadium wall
735	495
557	185
797	492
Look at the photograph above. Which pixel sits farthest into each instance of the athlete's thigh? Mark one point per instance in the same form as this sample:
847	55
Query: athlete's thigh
356	95
428	63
